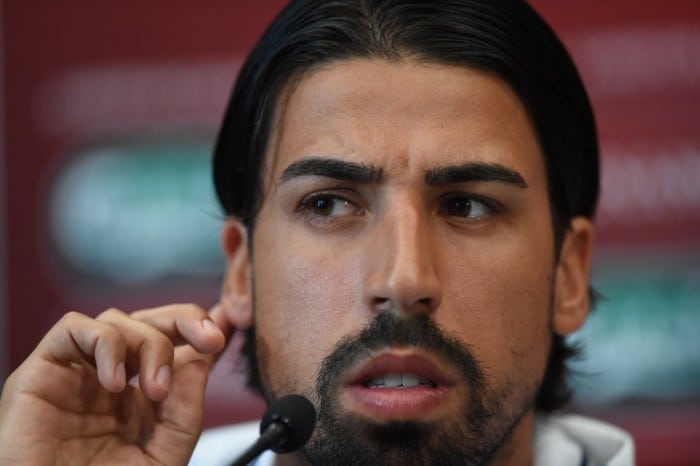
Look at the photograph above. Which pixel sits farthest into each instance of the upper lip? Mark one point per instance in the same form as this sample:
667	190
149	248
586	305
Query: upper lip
399	362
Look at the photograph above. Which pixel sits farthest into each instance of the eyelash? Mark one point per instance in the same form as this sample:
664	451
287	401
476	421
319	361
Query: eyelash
307	207
491	206
447	202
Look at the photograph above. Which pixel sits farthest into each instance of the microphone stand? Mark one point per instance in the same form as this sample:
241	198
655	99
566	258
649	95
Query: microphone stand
286	426
272	435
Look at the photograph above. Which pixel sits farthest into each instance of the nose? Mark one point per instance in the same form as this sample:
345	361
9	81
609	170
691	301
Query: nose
402	258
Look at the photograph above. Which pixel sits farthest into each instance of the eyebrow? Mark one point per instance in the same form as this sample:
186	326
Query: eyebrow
362	173
474	171
333	168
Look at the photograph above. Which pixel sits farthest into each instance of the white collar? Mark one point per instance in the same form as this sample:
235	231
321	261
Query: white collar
577	440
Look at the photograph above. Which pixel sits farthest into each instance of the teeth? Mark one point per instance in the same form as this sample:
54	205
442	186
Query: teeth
392	380
399	380
410	380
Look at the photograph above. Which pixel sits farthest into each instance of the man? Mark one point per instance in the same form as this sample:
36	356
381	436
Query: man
410	187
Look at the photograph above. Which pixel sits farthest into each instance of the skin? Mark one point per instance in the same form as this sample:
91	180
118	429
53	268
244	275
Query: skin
489	277
321	273
69	402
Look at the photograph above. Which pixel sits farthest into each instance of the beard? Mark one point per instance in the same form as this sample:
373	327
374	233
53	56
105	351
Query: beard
472	436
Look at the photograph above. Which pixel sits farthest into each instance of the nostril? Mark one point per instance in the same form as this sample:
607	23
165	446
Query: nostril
382	304
419	306
427	302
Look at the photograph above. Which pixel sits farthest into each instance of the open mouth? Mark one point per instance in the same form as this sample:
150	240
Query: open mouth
399	380
400	369
399	385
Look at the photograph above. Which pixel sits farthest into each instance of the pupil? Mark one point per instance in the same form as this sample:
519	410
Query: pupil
461	207
323	205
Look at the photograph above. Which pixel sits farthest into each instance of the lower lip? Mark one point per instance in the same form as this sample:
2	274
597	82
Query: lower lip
395	404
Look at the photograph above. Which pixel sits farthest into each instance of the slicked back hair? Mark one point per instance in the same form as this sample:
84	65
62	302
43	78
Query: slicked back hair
504	37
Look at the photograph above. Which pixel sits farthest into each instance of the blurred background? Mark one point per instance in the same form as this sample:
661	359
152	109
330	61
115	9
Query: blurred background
109	111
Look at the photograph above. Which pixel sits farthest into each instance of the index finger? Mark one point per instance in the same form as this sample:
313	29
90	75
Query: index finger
189	323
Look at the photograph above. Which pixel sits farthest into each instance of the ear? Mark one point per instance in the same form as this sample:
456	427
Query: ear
571	289
237	289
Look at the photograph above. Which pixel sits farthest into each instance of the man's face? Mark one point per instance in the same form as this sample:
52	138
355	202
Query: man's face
407	201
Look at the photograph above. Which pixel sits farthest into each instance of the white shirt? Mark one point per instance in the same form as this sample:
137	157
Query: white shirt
560	440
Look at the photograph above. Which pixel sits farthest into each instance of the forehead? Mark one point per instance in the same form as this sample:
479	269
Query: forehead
403	117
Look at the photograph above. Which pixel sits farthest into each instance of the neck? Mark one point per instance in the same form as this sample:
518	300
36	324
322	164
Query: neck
518	448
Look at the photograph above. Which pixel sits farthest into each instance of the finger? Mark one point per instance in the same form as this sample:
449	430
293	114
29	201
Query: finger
181	414
187	323
149	351
77	338
219	317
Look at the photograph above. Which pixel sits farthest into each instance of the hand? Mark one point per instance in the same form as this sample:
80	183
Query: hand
70	402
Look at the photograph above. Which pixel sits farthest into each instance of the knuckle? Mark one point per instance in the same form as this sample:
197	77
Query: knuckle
111	333
111	336
11	382
161	341
157	346
110	315
71	317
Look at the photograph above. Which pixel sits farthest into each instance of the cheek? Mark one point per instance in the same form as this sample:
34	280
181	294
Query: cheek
304	301
500	302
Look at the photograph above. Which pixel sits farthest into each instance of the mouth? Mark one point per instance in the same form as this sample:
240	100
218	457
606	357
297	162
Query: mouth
397	386
399	380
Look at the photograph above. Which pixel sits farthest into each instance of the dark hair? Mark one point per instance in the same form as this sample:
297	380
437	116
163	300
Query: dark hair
504	37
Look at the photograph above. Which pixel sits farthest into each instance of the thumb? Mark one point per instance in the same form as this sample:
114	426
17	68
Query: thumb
180	416
218	315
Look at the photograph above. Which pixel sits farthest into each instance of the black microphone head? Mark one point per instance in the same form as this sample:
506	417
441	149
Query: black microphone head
298	416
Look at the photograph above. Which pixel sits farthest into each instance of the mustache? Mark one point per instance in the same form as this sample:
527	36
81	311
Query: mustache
391	330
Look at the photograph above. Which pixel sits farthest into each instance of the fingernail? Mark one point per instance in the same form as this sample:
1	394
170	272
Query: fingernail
163	377
209	325
120	374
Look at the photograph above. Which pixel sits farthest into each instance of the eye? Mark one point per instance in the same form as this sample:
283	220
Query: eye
328	205
467	207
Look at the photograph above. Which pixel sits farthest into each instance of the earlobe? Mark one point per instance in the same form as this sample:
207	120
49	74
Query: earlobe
236	289
571	289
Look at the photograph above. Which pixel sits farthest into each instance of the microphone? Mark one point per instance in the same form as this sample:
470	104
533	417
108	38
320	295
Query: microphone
286	426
